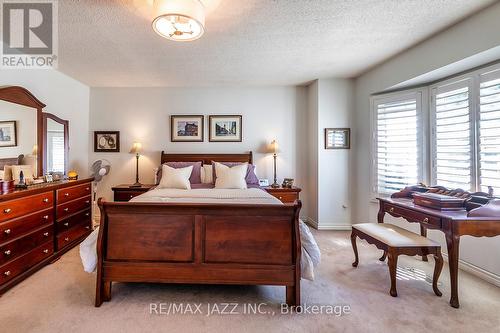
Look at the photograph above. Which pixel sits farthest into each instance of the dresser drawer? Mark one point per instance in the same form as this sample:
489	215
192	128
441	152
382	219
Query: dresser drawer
18	227
126	195
83	218
72	193
72	207
19	207
286	197
24	262
20	246
413	216
68	237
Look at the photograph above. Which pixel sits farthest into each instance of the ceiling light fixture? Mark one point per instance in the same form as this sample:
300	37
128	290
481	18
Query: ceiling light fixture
179	20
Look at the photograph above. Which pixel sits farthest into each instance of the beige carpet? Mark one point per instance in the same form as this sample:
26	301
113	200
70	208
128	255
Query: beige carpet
60	297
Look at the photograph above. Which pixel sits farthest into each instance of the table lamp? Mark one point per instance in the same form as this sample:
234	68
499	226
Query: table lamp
273	149
136	149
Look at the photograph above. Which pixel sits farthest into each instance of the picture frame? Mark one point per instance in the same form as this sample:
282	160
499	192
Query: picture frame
106	141
187	128
8	133
225	128
337	138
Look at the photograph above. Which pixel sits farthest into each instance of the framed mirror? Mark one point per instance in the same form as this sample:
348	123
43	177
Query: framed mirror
20	131
56	144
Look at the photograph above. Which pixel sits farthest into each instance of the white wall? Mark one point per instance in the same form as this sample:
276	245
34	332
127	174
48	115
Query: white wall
66	98
474	35
142	114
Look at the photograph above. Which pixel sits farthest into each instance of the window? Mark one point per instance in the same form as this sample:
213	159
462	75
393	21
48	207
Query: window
397	142
452	134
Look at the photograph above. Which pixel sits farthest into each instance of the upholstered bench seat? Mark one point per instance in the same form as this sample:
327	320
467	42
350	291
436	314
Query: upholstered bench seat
394	241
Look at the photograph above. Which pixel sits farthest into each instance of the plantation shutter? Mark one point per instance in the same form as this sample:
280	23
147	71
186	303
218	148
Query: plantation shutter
397	144
453	153
489	132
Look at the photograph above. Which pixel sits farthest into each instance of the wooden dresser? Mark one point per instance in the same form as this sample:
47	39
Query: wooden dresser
38	225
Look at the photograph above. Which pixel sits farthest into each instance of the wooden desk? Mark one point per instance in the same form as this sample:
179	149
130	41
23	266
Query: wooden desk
453	223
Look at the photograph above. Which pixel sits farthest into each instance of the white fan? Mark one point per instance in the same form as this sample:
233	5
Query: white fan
99	170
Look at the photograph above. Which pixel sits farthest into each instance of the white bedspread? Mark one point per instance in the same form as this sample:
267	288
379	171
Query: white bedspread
311	255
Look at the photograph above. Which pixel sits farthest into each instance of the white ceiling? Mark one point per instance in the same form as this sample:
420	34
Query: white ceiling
247	42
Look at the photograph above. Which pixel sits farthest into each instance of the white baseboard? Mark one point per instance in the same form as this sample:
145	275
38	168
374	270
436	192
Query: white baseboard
476	271
314	224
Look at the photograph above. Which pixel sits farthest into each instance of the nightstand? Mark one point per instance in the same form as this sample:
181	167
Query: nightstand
125	192
286	195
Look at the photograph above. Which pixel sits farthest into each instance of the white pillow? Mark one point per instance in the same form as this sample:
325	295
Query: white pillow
26	169
207	176
175	178
231	177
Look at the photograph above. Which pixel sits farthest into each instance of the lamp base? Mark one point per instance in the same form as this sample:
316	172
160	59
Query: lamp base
136	185
275	185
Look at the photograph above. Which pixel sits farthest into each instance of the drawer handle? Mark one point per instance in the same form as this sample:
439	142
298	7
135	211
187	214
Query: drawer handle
66	194
7	253
280	198
391	210
7	231
131	196
46	234
87	202
45	200
46	251
7	210
66	224
426	220
87	189
46	217
66	239
66	210
6	273
87	227
87	214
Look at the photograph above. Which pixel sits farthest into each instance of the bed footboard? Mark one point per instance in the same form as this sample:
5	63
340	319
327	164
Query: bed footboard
199	243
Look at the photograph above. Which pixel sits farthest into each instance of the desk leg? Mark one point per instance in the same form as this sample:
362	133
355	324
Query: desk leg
453	243
423	232
381	214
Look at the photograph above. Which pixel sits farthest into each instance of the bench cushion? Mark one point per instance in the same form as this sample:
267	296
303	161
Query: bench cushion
394	236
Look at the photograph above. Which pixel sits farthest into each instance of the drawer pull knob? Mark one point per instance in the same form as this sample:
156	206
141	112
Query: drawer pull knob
7	253
391	210
131	196
46	217
87	214
87	189
66	210
66	194
46	251
426	220
45	200
7	210
66	239
6	273
87	202
87	227
7	231
46	234
66	224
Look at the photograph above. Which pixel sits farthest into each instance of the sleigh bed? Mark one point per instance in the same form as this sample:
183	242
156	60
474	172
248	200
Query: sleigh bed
200	243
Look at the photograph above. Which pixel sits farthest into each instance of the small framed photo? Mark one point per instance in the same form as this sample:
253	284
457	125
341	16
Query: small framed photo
225	128
337	138
8	134
187	128
106	141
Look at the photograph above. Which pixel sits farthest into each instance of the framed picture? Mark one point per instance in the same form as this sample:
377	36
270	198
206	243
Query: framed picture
8	133
187	128
337	138
225	128
106	141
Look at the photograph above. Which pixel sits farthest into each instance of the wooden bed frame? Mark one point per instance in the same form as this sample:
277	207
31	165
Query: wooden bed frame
199	243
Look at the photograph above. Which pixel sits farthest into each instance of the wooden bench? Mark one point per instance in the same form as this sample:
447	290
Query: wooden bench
394	241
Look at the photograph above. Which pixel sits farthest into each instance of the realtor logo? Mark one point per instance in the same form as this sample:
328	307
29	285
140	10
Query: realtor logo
29	34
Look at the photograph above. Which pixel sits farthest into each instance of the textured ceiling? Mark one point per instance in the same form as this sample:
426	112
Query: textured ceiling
247	42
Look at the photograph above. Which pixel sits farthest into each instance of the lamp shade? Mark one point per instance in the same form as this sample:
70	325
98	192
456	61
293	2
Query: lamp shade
273	148
179	20
136	148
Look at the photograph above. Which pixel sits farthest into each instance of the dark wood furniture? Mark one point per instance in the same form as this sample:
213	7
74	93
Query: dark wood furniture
39	224
199	243
65	124
285	195
21	96
124	192
483	221
395	241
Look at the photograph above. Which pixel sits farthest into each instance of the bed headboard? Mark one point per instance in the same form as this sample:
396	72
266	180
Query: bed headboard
11	161
206	158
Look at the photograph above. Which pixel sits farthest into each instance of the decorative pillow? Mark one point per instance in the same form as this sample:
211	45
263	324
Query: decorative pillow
175	178
207	172
231	177
26	169
195	177
250	177
1	174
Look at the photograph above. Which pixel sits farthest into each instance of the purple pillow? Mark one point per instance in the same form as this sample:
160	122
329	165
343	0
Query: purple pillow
250	178
195	174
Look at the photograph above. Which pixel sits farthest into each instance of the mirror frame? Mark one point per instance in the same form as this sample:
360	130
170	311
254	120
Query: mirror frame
65	123
22	96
